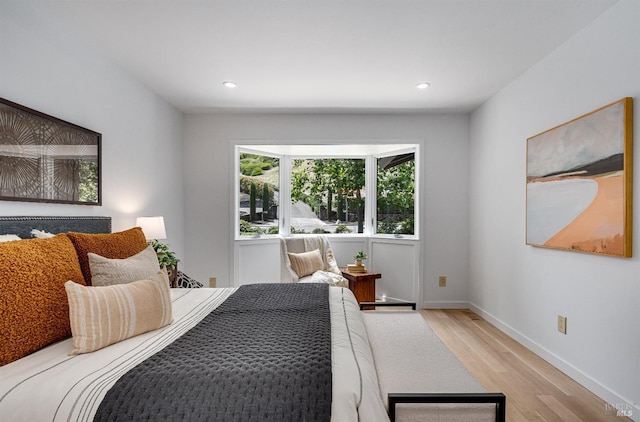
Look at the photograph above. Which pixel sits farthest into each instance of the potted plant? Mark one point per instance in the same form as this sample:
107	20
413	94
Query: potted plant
167	259
359	257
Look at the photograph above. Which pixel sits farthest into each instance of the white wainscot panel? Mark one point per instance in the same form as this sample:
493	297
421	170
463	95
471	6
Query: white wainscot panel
398	262
344	248
257	261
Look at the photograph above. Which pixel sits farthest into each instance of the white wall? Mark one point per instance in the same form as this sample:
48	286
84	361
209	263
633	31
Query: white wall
522	288
141	133
444	143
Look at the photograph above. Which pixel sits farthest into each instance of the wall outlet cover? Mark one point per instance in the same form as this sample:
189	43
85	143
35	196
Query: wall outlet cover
562	324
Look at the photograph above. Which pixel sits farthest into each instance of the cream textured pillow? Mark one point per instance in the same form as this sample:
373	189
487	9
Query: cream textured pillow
9	237
107	272
306	263
101	316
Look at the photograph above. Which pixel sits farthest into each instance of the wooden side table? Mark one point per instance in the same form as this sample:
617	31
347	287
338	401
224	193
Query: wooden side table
363	285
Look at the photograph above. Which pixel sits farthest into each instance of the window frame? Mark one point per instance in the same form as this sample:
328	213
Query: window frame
416	189
318	151
247	149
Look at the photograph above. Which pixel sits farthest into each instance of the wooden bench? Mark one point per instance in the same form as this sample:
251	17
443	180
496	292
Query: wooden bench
421	378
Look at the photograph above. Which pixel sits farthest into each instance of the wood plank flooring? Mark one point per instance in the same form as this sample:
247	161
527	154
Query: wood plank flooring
535	390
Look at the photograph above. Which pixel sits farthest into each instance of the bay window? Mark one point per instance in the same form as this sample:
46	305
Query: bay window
326	189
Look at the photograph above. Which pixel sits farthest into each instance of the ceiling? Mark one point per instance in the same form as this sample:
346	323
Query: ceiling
322	55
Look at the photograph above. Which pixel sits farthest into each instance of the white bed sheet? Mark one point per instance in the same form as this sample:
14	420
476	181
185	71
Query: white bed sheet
50	385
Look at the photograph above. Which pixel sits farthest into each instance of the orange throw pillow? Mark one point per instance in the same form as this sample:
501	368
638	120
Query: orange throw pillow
34	310
118	245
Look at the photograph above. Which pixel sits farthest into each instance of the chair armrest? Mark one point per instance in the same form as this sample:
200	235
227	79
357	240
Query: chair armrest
388	304
499	399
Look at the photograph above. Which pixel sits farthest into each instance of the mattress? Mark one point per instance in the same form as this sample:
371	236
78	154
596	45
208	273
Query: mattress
50	385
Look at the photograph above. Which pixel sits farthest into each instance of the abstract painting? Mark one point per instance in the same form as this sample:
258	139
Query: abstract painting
579	183
45	159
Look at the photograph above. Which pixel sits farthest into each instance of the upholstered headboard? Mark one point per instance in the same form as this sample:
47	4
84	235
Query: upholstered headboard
22	226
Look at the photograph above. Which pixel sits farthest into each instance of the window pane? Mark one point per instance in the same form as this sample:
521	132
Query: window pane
327	196
259	194
396	194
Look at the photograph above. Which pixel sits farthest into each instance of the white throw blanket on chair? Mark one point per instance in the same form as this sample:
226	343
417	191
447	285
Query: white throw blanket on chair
330	274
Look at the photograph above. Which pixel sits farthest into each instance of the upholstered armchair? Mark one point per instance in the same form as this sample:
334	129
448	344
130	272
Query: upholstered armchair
309	259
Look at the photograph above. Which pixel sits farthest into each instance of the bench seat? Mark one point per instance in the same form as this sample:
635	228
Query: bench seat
413	365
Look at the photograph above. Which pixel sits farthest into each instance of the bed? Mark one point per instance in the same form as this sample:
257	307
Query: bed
71	388
51	385
281	352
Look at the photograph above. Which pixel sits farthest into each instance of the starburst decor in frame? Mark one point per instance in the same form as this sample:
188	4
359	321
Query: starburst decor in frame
46	159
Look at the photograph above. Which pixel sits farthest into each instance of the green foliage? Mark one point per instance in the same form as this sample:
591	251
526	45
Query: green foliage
317	182
246	181
88	186
396	188
342	228
248	229
391	226
319	230
266	201
396	194
166	258
297	231
406	226
254	165
360	255
387	226
341	202
252	202
273	230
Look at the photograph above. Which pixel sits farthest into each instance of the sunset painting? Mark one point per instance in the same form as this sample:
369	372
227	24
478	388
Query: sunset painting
579	183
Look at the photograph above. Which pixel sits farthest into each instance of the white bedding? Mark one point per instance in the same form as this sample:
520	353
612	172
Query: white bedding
50	385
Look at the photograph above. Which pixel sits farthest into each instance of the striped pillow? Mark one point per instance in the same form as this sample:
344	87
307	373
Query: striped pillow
306	263
101	316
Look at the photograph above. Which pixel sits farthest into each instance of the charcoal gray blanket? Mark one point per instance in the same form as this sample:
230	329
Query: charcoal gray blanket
262	355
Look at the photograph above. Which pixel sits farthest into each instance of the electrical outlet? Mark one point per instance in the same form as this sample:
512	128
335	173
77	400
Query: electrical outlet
442	281
562	324
212	282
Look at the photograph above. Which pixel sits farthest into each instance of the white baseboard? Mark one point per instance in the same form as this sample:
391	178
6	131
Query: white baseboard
614	399
444	305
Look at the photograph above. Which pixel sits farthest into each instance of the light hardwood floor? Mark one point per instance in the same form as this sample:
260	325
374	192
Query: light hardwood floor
535	390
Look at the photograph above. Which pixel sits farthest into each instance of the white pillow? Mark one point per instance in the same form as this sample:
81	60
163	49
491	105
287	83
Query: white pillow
41	234
107	271
100	316
9	237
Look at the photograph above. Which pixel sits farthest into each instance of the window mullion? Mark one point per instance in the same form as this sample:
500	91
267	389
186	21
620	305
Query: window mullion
285	195
371	192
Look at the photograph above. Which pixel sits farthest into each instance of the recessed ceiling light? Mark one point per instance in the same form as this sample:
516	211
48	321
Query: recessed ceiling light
423	85
229	84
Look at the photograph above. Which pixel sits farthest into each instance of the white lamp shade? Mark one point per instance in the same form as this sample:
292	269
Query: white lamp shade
153	227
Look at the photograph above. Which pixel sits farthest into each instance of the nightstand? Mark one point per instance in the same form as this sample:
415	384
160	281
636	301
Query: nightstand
363	285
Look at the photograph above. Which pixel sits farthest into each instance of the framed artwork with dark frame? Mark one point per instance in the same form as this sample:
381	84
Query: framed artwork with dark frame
46	159
579	183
